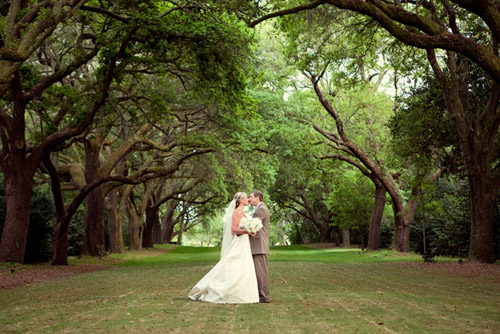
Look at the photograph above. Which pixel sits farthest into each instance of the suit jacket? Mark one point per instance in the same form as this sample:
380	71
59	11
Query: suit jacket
260	245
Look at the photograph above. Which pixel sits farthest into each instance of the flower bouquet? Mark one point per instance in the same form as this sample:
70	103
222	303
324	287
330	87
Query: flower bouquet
251	225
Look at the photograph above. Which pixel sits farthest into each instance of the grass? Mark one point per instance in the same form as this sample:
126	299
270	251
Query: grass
312	291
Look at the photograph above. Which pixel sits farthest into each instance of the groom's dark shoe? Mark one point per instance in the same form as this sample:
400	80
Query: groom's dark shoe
264	301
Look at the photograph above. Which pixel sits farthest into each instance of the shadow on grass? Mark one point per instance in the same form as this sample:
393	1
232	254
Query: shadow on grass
296	253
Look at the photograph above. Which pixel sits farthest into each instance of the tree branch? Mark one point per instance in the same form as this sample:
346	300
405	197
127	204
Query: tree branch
53	140
350	161
427	34
105	12
285	12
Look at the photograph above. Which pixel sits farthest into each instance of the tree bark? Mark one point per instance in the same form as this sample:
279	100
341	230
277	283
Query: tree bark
18	191
120	245
135	226
152	220
94	242
326	232
60	251
168	222
401	228
19	172
482	198
112	206
338	234
376	218
179	234
157	233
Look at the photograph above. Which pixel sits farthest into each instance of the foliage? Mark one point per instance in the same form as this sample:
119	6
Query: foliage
40	232
76	233
445	217
206	234
348	200
421	129
198	75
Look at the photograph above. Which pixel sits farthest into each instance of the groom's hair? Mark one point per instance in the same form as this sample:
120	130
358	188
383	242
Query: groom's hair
258	194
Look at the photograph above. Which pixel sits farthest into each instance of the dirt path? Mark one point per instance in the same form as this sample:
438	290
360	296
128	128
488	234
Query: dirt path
12	277
20	275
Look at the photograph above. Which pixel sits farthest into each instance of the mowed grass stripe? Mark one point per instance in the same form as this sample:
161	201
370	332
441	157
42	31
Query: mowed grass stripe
432	305
434	286
333	292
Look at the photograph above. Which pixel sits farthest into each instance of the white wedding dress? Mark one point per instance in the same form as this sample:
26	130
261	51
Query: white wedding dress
233	279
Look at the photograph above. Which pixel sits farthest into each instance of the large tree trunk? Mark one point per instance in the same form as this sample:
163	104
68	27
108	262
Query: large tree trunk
94	242
116	212
157	233
168	222
152	220
18	191
376	218
482	197
120	245
61	228
18	171
179	234
135	227
478	139
112	206
338	234
168	230
401	228
326	232
60	250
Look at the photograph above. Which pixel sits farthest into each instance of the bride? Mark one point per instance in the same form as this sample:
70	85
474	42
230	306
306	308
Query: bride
233	279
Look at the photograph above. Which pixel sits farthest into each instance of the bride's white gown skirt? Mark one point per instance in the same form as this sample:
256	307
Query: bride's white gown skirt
233	279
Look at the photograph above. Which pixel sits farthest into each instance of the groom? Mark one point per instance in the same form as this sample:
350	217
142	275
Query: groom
260	245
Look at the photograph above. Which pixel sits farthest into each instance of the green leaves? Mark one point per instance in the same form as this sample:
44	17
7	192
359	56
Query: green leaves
421	127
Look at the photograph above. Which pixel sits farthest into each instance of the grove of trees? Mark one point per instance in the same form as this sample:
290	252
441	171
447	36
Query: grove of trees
126	124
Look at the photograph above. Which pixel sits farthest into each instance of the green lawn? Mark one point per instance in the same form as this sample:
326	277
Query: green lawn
312	291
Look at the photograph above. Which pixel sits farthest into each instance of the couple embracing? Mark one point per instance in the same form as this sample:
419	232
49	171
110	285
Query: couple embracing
241	275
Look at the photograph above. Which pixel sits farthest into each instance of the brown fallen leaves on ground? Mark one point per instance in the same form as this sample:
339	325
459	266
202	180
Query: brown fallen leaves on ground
14	276
19	275
484	271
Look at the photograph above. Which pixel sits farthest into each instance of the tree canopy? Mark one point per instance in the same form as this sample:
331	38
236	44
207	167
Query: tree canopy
142	119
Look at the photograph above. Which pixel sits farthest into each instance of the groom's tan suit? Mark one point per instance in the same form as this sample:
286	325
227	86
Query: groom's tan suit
260	251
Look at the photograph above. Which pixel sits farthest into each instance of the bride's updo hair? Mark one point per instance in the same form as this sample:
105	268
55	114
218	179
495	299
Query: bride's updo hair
237	198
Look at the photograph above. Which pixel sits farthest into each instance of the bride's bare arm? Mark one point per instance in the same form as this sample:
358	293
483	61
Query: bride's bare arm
237	215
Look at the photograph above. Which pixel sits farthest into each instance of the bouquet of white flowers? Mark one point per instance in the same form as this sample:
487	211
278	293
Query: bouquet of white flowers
251	225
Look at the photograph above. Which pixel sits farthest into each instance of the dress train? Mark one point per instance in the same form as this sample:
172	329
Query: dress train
233	278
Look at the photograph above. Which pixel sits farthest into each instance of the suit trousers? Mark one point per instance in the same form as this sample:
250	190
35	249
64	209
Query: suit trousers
262	273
